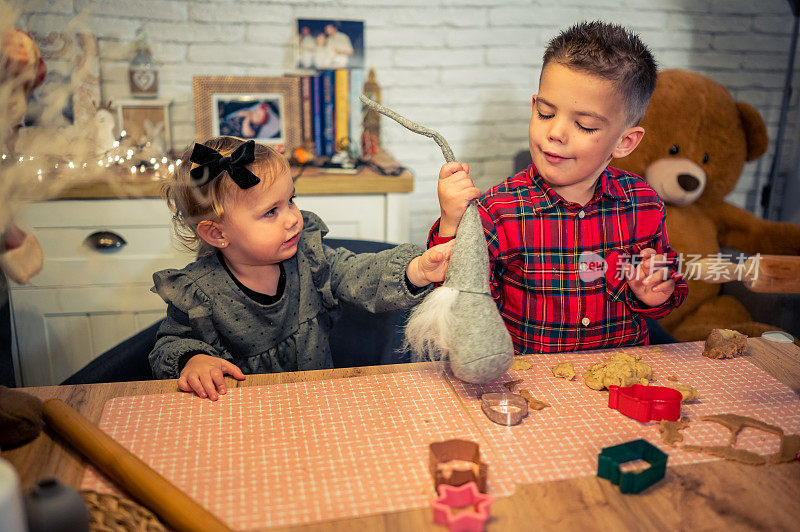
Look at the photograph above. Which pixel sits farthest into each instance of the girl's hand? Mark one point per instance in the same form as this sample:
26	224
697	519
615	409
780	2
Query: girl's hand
456	190
203	374
431	266
651	281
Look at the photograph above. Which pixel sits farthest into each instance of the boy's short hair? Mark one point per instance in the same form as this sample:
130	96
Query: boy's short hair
613	53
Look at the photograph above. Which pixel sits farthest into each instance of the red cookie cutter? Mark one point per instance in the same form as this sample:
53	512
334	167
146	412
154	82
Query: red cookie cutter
454	497
646	403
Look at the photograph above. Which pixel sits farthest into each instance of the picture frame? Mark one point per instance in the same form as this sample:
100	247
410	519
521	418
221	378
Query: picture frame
265	109
329	44
145	119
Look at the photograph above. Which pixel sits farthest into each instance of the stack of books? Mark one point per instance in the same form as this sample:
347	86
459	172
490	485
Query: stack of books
331	111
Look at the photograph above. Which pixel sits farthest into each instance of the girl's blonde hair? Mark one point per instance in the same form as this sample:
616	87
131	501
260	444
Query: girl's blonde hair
191	205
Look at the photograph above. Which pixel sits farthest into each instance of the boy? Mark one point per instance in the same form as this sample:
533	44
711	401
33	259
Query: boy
578	250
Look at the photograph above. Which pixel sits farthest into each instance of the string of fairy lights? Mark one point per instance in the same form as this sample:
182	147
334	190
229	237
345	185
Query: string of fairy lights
120	155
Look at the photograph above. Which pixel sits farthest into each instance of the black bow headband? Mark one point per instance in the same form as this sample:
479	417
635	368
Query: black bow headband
211	164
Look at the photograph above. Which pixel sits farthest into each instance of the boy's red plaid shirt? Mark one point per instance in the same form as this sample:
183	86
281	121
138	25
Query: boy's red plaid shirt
542	250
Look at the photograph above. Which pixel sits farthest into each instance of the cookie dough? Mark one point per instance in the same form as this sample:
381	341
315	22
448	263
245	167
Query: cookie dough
533	404
520	364
728	453
671	430
790	444
565	370
735	423
622	369
725	343
790	450
446	469
689	393
510	385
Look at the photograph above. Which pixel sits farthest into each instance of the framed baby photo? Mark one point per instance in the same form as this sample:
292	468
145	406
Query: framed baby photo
264	109
325	44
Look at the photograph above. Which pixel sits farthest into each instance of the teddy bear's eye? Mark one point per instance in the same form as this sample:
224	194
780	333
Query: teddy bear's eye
674	150
705	158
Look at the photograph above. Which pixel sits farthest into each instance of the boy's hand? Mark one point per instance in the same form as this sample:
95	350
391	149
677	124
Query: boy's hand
456	190
431	266
203	374
651	281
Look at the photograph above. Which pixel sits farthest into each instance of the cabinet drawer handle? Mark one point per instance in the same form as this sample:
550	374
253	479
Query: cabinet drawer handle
105	240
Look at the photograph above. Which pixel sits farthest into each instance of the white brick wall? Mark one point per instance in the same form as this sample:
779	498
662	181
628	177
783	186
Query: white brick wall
464	67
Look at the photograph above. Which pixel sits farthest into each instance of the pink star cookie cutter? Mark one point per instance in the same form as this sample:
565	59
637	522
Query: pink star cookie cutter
454	497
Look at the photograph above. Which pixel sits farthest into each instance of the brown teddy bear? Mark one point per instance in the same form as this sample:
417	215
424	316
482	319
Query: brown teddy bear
697	139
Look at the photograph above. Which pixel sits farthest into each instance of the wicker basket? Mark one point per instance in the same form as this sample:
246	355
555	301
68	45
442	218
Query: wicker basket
111	513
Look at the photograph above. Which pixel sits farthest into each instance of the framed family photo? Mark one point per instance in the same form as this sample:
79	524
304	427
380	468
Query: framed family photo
265	109
330	44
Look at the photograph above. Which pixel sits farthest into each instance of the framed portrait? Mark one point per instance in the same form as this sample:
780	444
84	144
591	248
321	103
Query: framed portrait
145	121
330	44
72	81
265	109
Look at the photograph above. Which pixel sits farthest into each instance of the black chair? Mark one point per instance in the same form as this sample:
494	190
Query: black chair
658	335
127	361
359	338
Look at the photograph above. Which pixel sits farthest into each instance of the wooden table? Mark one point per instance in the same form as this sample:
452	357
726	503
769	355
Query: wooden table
711	495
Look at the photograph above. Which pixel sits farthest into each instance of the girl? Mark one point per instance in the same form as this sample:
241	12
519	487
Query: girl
264	291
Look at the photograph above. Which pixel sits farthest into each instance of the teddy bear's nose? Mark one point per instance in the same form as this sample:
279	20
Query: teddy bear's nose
688	182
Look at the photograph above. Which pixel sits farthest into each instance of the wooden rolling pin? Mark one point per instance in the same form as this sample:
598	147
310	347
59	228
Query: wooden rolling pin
178	510
777	274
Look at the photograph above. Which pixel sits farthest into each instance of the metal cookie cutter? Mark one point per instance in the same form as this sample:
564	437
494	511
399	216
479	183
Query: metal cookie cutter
646	403
456	462
610	459
504	408
451	498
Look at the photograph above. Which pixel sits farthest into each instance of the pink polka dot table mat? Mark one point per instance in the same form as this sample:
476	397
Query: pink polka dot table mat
301	452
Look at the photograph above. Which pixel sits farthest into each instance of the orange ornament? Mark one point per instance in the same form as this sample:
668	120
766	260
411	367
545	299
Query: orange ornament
300	155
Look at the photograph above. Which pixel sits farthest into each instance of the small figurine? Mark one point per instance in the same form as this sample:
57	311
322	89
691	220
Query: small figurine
142	72
371	121
104	130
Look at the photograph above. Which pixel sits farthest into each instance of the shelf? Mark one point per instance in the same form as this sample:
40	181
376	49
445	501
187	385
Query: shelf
312	181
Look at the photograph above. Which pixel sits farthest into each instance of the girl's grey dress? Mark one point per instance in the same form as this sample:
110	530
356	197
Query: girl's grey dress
208	313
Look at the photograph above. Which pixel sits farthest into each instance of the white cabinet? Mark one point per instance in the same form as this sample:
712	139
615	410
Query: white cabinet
86	300
379	217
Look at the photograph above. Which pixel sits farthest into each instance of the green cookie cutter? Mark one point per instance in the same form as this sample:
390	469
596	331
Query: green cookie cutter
610	459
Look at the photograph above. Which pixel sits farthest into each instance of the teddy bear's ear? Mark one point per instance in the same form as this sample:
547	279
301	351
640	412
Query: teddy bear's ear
755	130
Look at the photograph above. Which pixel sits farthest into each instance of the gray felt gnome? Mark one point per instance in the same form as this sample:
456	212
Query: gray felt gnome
459	321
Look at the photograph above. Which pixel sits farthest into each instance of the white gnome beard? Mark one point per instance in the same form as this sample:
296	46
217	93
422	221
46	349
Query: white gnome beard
429	329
